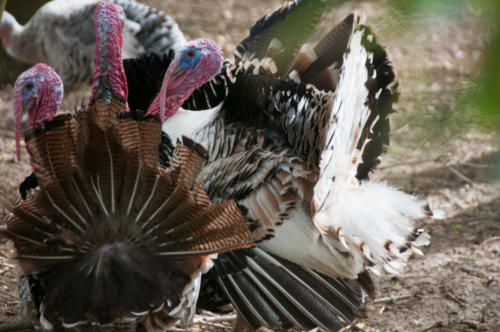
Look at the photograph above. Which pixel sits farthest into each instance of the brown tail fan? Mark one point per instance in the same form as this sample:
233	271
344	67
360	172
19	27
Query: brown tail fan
109	234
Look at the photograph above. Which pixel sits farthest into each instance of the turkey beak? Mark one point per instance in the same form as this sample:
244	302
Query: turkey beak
178	72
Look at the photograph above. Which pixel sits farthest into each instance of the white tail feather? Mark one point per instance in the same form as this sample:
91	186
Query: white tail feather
375	213
340	157
369	219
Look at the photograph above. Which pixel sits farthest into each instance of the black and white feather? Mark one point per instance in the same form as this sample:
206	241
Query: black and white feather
298	158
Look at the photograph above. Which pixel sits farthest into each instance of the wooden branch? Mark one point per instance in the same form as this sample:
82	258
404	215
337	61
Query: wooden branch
461	176
392	298
16	326
455	298
409	162
216	319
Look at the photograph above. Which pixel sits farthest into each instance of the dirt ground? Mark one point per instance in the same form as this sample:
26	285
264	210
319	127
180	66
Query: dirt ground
455	286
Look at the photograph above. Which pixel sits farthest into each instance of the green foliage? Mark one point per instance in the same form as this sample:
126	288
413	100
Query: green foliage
480	104
442	7
470	100
2	7
487	98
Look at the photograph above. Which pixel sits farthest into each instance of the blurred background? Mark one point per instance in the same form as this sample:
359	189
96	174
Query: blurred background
446	52
444	142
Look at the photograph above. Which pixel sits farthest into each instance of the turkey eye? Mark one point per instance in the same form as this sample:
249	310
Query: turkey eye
190	54
29	85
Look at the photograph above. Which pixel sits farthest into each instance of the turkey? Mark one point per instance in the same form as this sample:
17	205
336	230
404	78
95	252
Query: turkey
38	93
108	234
299	159
258	153
61	35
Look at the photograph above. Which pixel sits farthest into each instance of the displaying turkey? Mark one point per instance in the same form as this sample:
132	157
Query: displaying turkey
61	35
108	234
299	159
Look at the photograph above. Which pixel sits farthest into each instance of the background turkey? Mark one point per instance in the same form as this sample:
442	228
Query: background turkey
61	34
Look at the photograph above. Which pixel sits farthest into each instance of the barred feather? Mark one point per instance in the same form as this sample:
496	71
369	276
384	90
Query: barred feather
89	214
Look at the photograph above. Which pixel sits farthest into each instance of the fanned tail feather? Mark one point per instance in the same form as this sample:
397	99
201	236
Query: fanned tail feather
368	220
281	34
109	233
320	65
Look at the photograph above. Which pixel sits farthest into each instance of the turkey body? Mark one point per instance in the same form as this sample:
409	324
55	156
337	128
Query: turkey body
298	158
61	35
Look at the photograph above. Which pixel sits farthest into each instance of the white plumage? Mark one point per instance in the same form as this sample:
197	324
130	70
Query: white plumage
350	213
188	123
61	35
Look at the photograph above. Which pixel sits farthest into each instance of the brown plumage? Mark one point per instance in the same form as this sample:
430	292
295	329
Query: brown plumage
105	212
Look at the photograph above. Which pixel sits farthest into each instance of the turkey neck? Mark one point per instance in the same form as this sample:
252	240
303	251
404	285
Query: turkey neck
174	97
47	107
109	76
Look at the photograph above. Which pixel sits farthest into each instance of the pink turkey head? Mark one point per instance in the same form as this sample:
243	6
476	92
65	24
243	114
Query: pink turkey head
196	63
39	92
109	76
